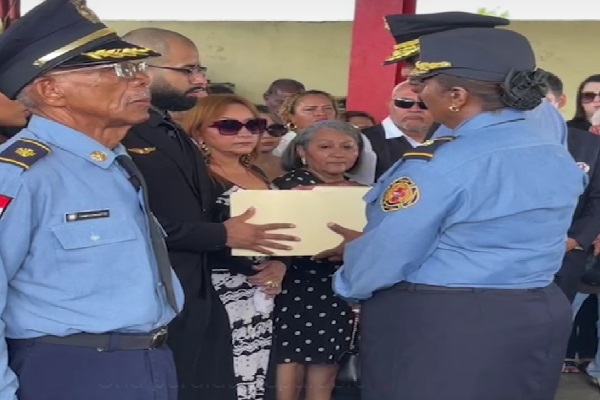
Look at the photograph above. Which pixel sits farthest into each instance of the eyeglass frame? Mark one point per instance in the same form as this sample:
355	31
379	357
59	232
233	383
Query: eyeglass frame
589	96
223	131
189	71
117	67
409	103
284	130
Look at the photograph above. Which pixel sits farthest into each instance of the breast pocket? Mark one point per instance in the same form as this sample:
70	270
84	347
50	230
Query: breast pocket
91	254
93	233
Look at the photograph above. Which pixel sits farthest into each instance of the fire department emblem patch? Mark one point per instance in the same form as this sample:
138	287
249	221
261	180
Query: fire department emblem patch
402	193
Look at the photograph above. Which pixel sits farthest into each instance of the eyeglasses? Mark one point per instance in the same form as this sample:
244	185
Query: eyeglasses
232	127
588	97
406	104
125	69
189	71
276	130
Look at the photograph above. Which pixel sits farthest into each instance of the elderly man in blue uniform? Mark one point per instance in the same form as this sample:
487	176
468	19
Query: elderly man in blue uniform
86	286
455	267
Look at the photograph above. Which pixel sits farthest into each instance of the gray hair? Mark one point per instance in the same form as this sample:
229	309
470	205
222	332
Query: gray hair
290	160
24	97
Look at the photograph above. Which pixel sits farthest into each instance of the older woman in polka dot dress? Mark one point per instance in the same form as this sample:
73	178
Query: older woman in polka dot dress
312	325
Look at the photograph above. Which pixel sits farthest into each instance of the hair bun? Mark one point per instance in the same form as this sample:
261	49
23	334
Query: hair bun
524	90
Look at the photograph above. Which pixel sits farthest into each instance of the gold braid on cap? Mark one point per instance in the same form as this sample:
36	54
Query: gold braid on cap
117	53
405	50
422	67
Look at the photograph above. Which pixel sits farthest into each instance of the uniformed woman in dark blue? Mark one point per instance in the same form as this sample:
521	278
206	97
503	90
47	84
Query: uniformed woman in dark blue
455	267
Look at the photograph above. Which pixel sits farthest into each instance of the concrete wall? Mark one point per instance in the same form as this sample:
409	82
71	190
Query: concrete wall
252	54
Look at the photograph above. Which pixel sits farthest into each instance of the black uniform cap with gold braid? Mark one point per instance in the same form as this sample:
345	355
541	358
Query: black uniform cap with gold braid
408	28
63	33
427	149
24	153
482	54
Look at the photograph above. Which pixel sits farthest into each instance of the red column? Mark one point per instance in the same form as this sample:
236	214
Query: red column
10	11
370	82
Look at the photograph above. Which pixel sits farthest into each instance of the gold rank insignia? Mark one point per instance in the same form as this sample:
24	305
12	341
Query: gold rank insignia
402	193
141	150
98	156
24	153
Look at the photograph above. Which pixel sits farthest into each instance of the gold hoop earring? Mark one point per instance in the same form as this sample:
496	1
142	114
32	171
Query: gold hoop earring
205	151
291	126
454	108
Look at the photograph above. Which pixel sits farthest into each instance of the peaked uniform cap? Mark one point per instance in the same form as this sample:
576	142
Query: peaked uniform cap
483	54
55	33
408	28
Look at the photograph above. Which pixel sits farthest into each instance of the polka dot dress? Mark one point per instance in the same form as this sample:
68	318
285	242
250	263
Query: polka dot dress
312	325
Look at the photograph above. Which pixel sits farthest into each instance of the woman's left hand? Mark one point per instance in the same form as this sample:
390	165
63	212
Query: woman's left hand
269	277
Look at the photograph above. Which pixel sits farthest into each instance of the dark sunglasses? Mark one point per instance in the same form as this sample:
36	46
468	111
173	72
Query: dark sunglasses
588	97
230	127
276	130
406	104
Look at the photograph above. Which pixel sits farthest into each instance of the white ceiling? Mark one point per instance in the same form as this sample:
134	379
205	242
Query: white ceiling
318	10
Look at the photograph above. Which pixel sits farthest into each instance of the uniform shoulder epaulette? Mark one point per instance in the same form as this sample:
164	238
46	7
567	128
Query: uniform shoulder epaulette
24	153
427	149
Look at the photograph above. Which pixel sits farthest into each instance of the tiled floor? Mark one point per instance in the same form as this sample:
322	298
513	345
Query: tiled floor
574	387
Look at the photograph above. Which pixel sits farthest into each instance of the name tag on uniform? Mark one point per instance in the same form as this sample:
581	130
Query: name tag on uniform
85	215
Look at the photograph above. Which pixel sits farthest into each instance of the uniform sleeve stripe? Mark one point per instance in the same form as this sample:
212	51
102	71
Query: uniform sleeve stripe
36	143
14	162
418	154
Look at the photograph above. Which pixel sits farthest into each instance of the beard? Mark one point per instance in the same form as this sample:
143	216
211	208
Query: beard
169	99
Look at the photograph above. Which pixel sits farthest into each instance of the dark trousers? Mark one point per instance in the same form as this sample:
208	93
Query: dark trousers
463	345
583	342
569	276
59	372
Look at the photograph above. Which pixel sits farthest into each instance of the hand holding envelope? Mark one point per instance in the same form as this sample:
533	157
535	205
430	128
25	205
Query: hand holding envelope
337	253
310	211
257	238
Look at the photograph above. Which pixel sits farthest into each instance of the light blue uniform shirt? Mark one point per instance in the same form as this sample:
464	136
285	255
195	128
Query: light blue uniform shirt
493	211
546	120
63	276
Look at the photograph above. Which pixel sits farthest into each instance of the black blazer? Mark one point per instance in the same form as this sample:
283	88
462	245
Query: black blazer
585	149
388	151
181	197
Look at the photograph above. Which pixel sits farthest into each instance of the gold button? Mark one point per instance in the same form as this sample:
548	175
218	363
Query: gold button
98	156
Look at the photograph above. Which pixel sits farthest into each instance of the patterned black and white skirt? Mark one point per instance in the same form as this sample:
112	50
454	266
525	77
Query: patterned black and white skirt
251	331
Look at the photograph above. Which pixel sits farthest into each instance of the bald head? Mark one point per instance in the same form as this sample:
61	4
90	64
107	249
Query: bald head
399	88
178	78
157	39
